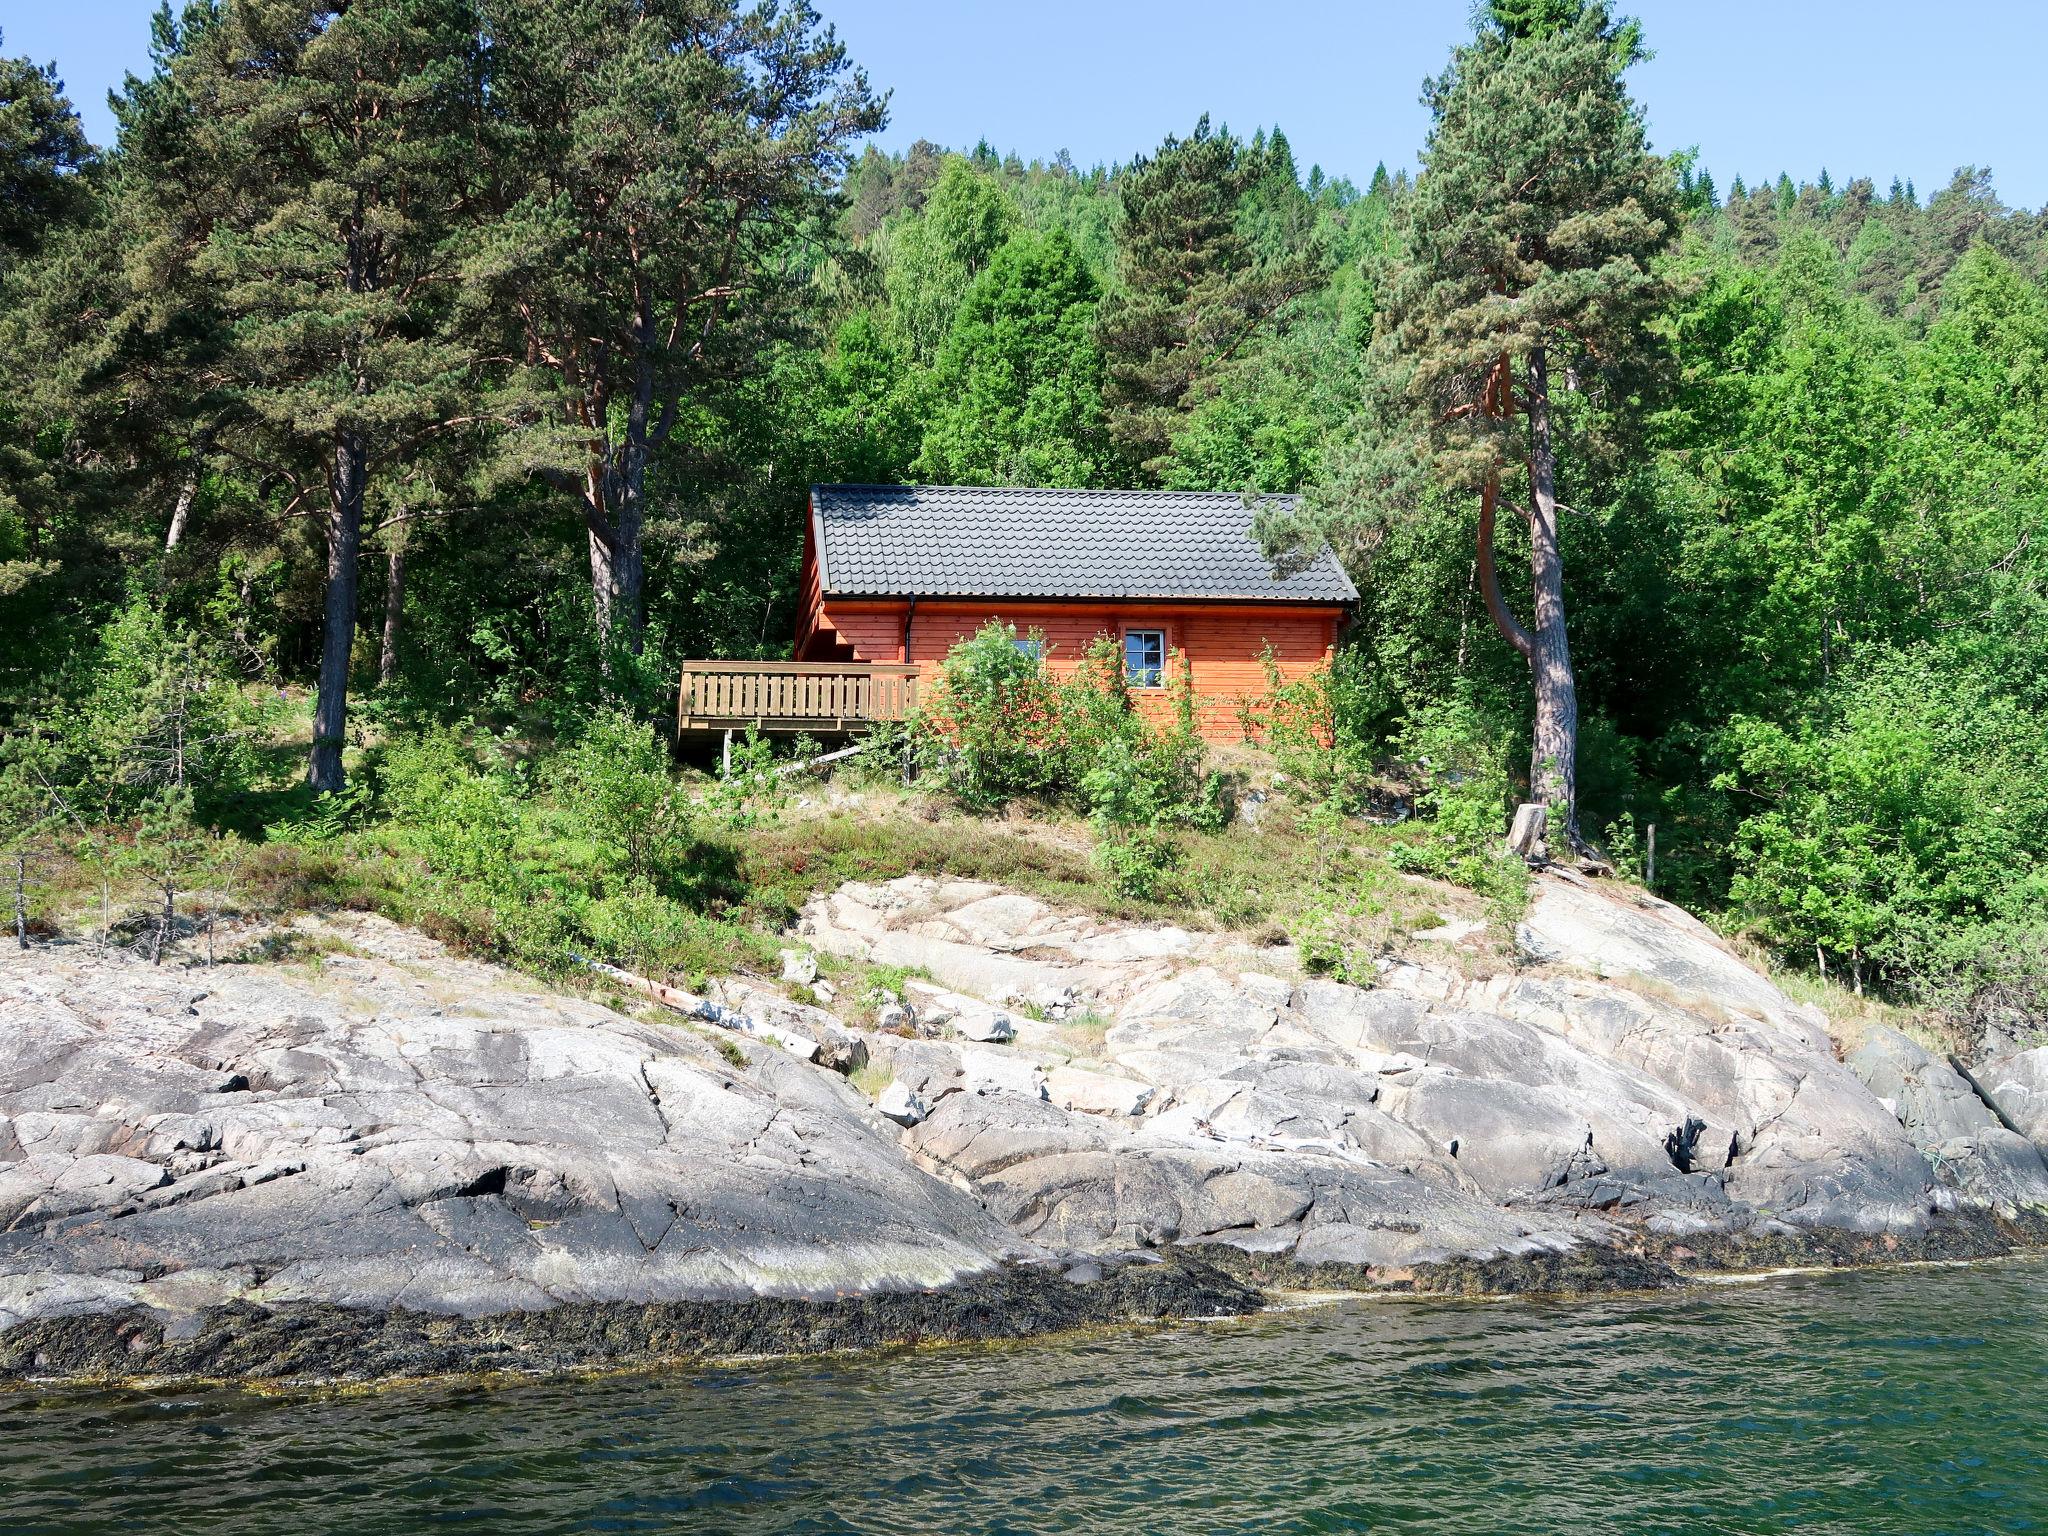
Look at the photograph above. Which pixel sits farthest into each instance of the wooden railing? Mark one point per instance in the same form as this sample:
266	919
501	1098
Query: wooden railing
794	695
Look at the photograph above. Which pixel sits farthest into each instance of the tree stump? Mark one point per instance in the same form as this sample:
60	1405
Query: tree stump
1525	837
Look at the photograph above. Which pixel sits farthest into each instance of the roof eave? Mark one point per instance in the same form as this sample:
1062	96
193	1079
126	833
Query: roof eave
1283	599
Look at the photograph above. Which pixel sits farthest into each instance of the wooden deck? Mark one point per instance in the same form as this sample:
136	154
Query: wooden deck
820	696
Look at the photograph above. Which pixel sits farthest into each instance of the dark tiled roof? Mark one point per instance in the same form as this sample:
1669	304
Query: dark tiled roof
976	541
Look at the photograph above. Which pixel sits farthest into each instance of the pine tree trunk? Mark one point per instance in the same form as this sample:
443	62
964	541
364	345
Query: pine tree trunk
629	518
394	609
1553	767
603	587
617	562
629	567
344	544
21	898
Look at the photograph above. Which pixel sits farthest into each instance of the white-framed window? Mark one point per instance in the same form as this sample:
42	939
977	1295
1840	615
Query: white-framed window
1145	658
1029	645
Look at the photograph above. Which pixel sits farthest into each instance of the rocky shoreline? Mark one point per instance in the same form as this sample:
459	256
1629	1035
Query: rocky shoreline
322	1342
389	1161
314	1344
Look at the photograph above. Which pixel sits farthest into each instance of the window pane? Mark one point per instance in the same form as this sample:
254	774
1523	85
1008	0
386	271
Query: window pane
1034	648
1144	657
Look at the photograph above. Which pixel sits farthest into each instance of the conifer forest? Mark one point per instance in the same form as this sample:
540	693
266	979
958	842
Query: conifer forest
412	384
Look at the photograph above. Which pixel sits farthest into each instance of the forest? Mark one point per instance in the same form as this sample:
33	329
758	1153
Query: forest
413	383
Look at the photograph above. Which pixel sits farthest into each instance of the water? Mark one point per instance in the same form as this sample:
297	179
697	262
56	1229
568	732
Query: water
1903	1401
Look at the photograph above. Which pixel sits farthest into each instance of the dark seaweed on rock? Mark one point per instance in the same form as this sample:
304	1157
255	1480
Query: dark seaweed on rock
321	1342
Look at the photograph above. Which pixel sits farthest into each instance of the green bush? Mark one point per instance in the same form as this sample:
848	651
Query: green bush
621	795
1899	836
997	723
152	705
748	786
1001	726
463	819
1459	752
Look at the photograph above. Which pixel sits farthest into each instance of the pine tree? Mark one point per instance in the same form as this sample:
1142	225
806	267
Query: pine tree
662	162
1194	289
1527	250
45	161
298	170
43	153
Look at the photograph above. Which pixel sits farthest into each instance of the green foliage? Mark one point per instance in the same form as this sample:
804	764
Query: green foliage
1018	381
332	818
1898	835
749	787
868	411
1460	756
30	818
1195	286
937	256
463	818
43	153
164	843
998	718
624	799
596	863
151	706
1001	726
1130	803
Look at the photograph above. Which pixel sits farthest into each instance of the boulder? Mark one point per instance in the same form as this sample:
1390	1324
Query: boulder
1097	1093
1967	1145
940	1010
2016	1084
983	1070
896	1102
984	1026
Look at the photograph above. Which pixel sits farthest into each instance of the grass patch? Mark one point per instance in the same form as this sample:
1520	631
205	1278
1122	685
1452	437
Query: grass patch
1851	1018
1084	1034
870	1078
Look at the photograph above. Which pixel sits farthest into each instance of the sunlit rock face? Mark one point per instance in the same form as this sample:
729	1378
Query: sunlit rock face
394	1127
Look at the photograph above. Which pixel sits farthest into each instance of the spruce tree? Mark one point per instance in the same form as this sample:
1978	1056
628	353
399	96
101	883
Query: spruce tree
1525	262
1019	380
1194	288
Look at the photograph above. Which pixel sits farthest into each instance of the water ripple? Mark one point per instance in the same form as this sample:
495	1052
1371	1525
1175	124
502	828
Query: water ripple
1905	1401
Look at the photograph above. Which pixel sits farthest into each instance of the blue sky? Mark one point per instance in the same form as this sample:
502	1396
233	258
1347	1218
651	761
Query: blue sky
1878	88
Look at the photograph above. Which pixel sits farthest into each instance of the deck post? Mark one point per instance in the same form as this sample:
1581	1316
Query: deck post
725	758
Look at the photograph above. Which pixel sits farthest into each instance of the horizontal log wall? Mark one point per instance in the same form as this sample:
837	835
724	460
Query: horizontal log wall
1224	643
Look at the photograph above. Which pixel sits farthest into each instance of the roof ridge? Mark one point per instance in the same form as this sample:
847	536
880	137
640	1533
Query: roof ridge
1038	490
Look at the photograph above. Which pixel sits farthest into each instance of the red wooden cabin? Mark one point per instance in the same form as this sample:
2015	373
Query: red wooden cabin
895	575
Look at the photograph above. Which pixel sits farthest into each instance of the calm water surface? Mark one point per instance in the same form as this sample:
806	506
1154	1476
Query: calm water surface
1908	1401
